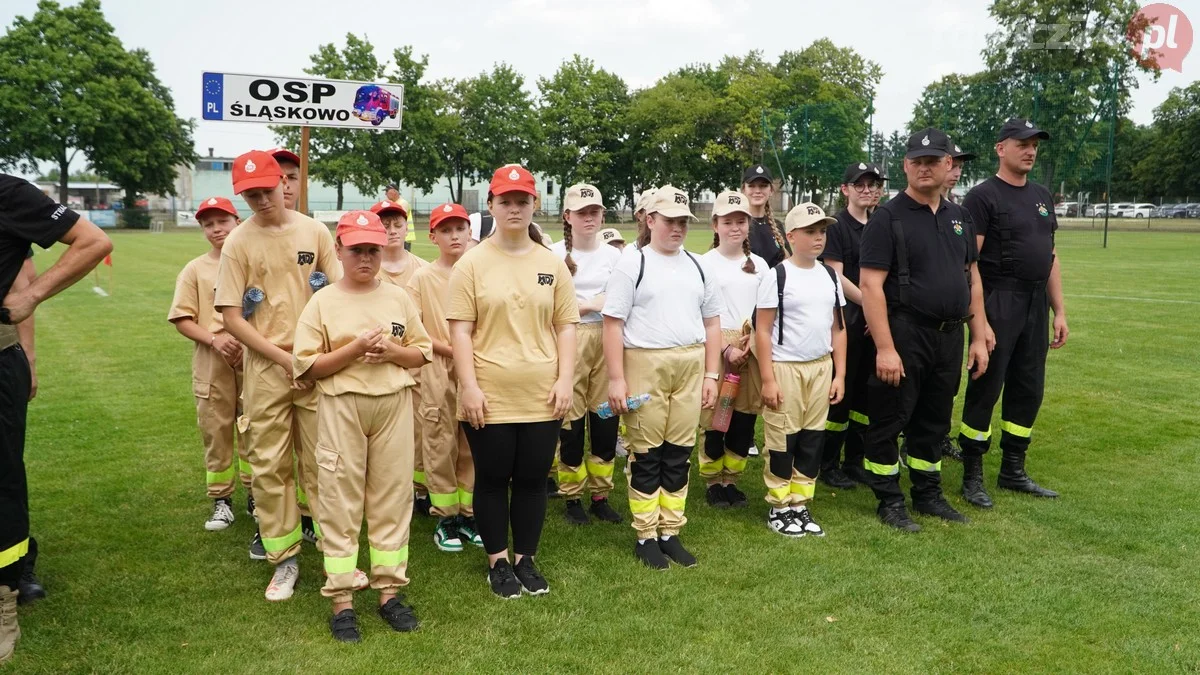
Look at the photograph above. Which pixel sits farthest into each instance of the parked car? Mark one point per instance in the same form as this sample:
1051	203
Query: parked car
1141	210
1067	210
1193	211
1182	210
1162	210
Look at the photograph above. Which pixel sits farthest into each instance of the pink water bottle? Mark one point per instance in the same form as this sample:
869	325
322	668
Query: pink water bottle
724	412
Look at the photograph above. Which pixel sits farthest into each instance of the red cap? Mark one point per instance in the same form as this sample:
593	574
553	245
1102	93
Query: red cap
512	178
445	212
216	204
361	227
386	206
281	154
255	169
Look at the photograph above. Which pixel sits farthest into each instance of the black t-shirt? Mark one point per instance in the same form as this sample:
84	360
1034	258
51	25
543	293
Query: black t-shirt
1029	210
843	240
26	217
763	244
939	250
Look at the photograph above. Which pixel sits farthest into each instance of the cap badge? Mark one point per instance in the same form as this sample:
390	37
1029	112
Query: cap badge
586	193
812	210
862	167
734	199
1029	124
514	174
385	204
957	149
758	169
925	141
212	202
362	220
447	209
250	166
680	198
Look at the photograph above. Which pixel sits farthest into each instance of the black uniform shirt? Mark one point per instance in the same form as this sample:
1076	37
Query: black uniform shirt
26	216
940	248
842	243
1029	210
763	244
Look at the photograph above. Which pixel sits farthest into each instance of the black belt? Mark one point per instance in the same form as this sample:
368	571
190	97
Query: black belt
940	325
1013	284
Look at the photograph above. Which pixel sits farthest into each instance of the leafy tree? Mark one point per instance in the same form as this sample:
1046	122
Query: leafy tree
411	155
498	121
68	86
1167	168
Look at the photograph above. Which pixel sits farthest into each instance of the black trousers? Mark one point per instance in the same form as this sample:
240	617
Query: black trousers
920	407
516	455
1021	321
602	433
14	491
848	419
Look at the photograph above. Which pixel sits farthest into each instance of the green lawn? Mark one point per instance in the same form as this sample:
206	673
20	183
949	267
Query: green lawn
1104	580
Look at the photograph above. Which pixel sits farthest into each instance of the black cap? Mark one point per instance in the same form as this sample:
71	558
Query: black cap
391	186
858	170
928	142
1020	129
958	153
757	172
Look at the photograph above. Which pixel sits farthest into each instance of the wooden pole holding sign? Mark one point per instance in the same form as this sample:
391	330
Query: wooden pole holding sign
302	202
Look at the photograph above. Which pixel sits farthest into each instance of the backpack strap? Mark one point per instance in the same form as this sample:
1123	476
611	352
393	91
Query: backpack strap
641	268
902	272
486	223
837	308
698	267
780	281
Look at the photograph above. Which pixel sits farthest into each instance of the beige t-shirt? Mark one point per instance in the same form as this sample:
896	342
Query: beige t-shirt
194	294
410	268
280	262
515	302
335	317
430	291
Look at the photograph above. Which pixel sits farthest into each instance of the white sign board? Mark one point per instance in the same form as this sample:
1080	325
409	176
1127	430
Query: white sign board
300	101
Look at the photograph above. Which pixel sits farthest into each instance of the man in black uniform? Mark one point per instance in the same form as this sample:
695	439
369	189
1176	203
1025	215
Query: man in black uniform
919	286
27	217
861	184
1015	227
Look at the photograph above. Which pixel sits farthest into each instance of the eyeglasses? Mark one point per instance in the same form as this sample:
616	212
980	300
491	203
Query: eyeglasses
864	187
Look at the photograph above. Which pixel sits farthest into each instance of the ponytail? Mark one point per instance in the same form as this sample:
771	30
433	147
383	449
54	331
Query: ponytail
568	241
717	240
537	238
748	268
775	230
643	239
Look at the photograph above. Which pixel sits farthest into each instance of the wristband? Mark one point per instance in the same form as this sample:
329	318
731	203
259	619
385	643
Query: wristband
712	376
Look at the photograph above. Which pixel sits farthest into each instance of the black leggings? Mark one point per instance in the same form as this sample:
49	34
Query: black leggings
520	454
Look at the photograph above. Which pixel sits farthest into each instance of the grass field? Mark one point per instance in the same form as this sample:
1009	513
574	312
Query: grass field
1104	580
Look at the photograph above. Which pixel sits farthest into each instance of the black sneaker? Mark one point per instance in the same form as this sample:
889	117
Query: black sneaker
938	506
504	583
399	615
604	511
673	548
575	514
532	581
552	490
30	589
257	551
950	450
250	505
716	496
895	515
307	530
649	553
734	496
805	520
422	505
836	478
344	626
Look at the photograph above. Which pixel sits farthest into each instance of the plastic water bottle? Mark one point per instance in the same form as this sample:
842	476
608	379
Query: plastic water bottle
605	410
724	412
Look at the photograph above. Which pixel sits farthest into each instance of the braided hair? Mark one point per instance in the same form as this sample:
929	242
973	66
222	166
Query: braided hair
770	215
568	240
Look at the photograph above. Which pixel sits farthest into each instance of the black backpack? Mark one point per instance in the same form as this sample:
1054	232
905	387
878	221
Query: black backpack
486	223
642	267
781	279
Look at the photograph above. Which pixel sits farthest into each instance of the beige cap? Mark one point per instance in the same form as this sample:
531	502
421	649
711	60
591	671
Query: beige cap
806	215
731	201
611	234
670	202
582	196
645	200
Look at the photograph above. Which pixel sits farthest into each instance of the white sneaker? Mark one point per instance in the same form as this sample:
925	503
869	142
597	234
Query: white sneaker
783	522
222	516
283	582
803	518
753	452
360	580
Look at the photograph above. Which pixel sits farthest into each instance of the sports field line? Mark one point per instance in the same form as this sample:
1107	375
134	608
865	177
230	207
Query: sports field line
1130	297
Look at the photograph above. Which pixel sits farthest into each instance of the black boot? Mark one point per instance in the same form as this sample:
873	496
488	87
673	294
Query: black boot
950	451
972	487
30	588
1013	476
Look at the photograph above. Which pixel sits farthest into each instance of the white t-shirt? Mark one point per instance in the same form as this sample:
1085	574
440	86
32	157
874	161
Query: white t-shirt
593	271
808	298
739	290
669	307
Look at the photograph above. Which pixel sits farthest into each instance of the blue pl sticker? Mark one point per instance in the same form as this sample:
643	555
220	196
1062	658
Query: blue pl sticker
214	87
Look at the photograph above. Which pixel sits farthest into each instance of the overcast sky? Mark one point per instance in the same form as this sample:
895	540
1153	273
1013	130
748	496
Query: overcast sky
915	41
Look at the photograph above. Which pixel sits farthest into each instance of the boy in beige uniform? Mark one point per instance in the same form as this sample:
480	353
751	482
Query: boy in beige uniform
358	339
216	364
397	268
449	469
270	267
